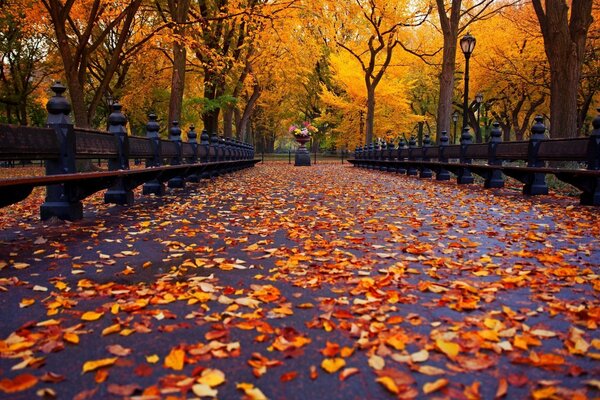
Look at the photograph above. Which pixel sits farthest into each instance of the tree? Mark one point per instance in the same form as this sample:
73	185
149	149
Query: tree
80	29
24	62
564	31
370	31
454	19
178	10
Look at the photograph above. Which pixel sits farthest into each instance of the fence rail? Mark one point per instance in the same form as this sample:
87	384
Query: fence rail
539	153
61	144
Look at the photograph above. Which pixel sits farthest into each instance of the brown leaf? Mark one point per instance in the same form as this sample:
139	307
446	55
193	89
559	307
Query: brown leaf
122	390
118	350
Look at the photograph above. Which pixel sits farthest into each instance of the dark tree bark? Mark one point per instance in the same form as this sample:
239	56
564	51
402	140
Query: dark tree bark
179	12
564	36
450	28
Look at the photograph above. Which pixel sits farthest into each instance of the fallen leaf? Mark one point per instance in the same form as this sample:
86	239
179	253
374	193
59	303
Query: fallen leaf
18	384
431	387
175	359
332	365
95	364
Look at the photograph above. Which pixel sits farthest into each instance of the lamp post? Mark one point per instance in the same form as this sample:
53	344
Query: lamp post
467	45
455	120
478	100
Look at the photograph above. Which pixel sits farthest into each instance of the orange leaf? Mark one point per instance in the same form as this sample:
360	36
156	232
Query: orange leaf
332	365
288	376
91	316
502	388
331	349
18	384
71	337
175	359
389	384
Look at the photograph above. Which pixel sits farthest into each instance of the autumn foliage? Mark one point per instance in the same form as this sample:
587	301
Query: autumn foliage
249	69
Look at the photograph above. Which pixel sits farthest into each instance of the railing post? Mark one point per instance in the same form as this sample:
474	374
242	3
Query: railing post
154	186
204	152
536	182
412	149
383	156
175	137
442	173
402	147
426	172
391	148
592	197
214	147
464	173
119	193
494	178
192	140
214	153
61	199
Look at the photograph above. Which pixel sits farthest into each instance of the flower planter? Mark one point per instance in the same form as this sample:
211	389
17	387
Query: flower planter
302	158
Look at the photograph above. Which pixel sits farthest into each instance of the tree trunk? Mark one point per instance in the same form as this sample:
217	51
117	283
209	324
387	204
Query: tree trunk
370	121
564	82
228	121
244	121
564	36
179	10
80	112
177	82
446	85
449	25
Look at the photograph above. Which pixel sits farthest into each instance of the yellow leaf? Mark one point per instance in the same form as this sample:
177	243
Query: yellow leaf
489	334
450	349
48	322
153	359
111	329
175	359
71	337
91	316
211	377
252	392
431	387
94	365
332	365
26	302
389	384
202	390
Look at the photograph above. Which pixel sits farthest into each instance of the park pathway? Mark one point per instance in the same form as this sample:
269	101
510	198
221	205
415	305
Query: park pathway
322	282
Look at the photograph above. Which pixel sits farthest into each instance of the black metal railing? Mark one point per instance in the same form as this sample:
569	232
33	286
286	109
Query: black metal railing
494	160
61	144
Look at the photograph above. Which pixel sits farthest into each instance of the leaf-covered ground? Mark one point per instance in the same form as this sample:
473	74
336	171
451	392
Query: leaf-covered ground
295	283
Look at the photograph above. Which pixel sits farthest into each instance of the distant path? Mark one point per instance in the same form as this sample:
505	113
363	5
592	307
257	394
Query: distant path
318	282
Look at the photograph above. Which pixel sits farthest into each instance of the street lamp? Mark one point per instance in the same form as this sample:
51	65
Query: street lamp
478	100
455	120
467	45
